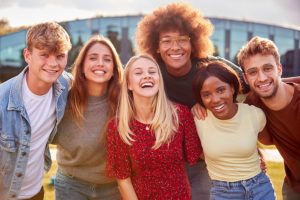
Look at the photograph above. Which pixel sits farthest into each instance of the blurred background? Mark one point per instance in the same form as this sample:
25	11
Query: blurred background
235	22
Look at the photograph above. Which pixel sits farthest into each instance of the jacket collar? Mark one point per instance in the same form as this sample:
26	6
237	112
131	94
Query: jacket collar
15	100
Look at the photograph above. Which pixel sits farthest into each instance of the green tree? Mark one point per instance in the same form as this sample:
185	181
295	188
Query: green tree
5	28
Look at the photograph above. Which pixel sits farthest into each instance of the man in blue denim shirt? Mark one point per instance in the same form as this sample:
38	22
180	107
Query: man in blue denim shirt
31	106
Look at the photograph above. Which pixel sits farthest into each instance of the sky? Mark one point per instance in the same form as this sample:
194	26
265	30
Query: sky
28	12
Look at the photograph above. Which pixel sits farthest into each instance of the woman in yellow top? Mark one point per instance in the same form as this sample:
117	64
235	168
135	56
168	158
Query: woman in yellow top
229	136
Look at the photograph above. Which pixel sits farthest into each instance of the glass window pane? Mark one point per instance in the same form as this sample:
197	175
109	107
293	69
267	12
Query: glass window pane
237	40
218	39
79	30
286	50
11	49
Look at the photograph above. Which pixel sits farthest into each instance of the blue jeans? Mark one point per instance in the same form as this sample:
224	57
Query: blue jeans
67	187
288	193
257	188
199	180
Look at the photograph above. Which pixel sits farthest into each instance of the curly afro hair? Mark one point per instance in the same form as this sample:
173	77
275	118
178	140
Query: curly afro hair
175	17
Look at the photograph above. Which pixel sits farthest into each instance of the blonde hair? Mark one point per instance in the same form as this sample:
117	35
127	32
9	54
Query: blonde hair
49	36
258	45
165	121
78	95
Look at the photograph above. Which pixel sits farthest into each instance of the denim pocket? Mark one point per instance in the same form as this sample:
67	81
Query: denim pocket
263	178
7	143
61	190
216	189
8	156
59	180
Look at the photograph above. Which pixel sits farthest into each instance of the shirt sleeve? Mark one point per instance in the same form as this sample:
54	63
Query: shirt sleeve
261	119
191	144
117	157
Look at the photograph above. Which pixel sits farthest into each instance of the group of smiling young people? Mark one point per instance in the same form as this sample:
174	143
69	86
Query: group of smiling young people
129	133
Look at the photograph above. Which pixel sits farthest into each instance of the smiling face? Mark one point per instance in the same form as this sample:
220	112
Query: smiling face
176	55
263	75
98	65
143	78
44	68
217	96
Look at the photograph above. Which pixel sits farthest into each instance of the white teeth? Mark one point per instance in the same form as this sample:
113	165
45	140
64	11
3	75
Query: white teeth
175	55
50	71
219	107
148	84
262	86
99	72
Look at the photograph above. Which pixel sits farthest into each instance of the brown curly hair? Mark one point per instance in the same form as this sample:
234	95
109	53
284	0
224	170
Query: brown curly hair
175	16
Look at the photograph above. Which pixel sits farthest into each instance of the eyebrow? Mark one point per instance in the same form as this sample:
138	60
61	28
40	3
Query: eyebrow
266	64
96	54
137	68
140	68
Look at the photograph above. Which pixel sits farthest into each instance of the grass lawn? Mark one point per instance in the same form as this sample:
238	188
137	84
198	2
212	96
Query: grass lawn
49	189
276	173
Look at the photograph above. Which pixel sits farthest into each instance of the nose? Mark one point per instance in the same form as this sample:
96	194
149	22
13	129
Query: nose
215	98
175	45
52	61
100	62
261	76
147	75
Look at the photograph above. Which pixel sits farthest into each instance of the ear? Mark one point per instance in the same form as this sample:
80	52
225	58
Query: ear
245	78
129	86
27	55
232	89
279	68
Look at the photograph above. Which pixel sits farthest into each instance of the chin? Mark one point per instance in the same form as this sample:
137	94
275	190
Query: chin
266	94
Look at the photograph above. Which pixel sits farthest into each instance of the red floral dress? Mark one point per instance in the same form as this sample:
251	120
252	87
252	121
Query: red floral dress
155	174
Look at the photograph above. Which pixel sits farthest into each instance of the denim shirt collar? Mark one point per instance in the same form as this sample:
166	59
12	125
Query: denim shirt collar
15	100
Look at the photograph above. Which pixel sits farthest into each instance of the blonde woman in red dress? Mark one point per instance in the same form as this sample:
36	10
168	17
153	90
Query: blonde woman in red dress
151	137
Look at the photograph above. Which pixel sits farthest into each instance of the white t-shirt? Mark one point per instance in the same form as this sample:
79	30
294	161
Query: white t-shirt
41	112
230	146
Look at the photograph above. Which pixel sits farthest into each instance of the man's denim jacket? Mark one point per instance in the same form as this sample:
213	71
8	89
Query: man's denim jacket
15	132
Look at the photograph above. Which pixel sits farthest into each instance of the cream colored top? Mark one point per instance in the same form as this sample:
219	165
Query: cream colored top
230	146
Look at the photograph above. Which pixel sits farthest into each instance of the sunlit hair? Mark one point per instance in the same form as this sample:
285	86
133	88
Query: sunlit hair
78	95
258	45
175	17
49	36
217	69
165	121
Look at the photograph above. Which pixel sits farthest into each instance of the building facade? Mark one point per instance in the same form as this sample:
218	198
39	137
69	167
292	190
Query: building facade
229	36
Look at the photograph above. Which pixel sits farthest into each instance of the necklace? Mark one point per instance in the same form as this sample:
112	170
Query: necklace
147	127
145	121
